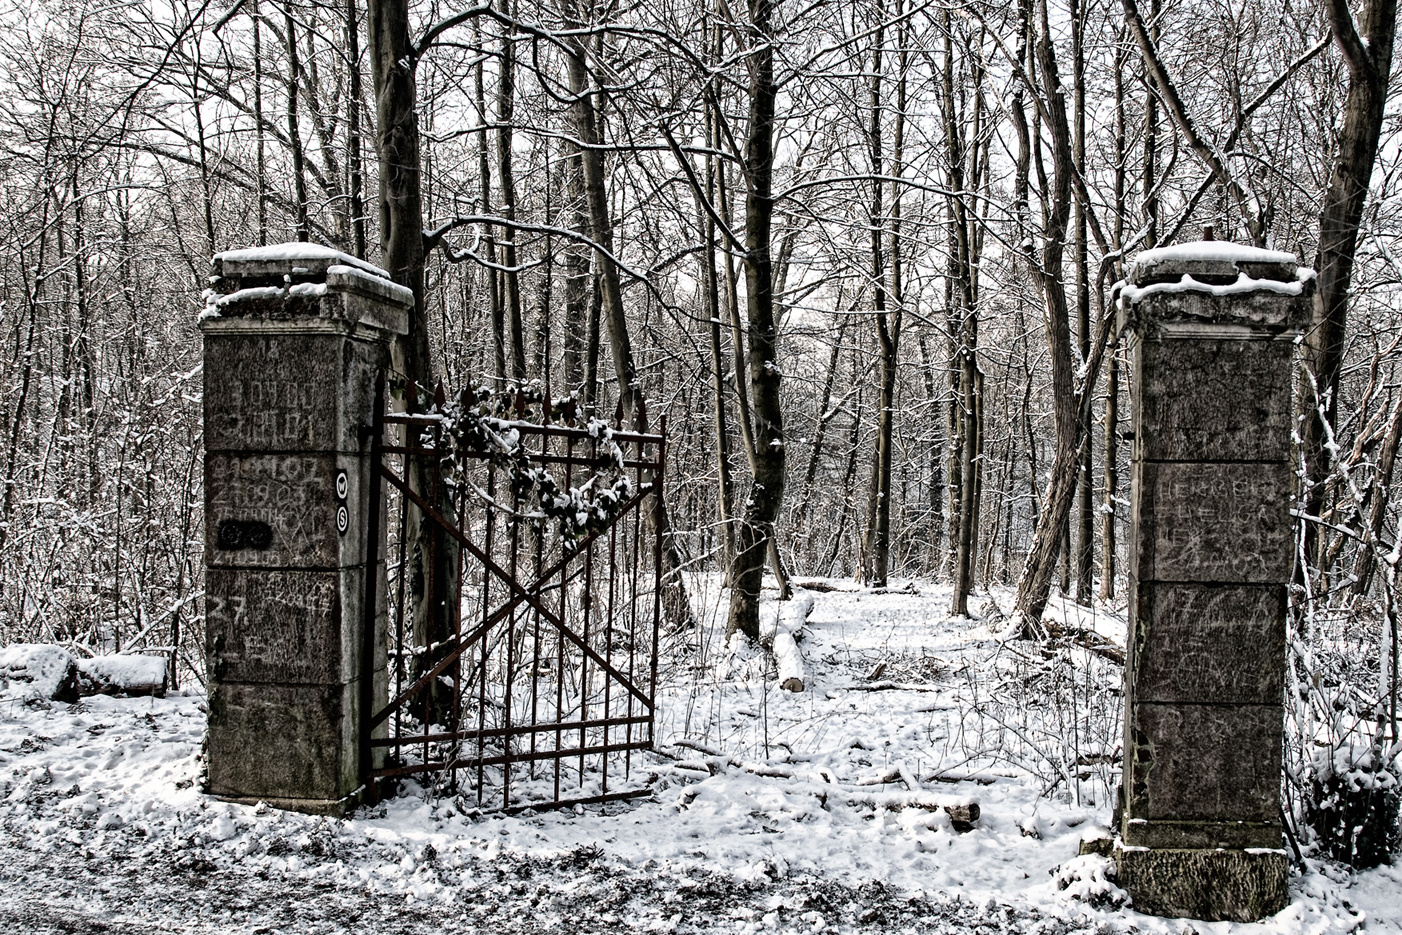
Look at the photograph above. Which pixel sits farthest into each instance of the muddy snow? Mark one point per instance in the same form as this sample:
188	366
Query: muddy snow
846	807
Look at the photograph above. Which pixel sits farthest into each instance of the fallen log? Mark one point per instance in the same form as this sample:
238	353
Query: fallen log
133	674
892	687
789	662
38	672
779	630
963	812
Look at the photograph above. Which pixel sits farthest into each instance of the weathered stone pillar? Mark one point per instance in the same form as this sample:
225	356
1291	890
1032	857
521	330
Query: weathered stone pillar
1213	328
295	337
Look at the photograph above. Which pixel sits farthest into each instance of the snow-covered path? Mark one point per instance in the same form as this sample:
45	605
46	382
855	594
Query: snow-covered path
771	811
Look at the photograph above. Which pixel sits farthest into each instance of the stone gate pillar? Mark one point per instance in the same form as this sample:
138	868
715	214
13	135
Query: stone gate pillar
1213	329
295	337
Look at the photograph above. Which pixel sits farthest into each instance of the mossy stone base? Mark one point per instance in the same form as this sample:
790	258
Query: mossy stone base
1213	885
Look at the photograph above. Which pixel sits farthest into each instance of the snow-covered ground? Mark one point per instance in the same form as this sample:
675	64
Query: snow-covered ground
771	811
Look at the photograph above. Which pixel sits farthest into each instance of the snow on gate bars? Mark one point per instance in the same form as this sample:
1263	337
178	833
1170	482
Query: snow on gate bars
536	677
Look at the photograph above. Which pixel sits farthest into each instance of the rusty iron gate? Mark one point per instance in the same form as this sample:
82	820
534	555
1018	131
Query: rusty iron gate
539	687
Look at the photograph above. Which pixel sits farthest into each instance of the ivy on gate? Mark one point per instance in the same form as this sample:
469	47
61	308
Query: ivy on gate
479	423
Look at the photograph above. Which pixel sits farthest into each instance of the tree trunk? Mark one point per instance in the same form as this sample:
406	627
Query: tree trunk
854	433
1112	478
877	547
966	408
770	456
577	284
543	349
826	412
1022	219
397	146
353	134
511	279
1085	526
260	166
935	499
1379	496
397	140
1151	148
601	228
1367	50
711	285
489	242
1034	586
675	602
294	136
590	397
330	176
1110	455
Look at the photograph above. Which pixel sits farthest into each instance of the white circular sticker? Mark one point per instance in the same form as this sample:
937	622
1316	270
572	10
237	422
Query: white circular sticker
342	484
342	519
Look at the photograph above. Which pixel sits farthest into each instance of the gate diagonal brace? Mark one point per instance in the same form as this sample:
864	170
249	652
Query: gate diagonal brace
522	594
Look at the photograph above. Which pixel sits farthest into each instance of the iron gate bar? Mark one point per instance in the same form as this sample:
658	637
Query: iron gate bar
399	599
372	534
632	624
582	800
601	461
534	428
523	595
542	728
657	559
570	441
487	617
586	600
505	759
456	722
531	428
591	461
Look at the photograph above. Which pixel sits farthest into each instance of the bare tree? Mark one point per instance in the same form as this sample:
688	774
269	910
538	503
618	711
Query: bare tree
1366	45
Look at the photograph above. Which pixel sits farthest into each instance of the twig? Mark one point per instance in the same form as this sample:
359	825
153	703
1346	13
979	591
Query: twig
893	687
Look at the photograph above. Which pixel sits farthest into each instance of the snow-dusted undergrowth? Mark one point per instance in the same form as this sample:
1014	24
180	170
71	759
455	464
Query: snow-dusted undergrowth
772	811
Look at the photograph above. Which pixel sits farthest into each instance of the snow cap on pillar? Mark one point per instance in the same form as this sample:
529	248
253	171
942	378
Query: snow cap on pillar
304	281
1216	283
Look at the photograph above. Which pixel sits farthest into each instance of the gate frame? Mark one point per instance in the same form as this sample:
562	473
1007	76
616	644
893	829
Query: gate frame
649	474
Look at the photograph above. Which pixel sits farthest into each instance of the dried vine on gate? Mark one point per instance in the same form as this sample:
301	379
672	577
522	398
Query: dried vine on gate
478	423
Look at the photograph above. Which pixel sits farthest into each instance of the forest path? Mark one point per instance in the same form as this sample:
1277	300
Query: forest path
48	896
771	811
